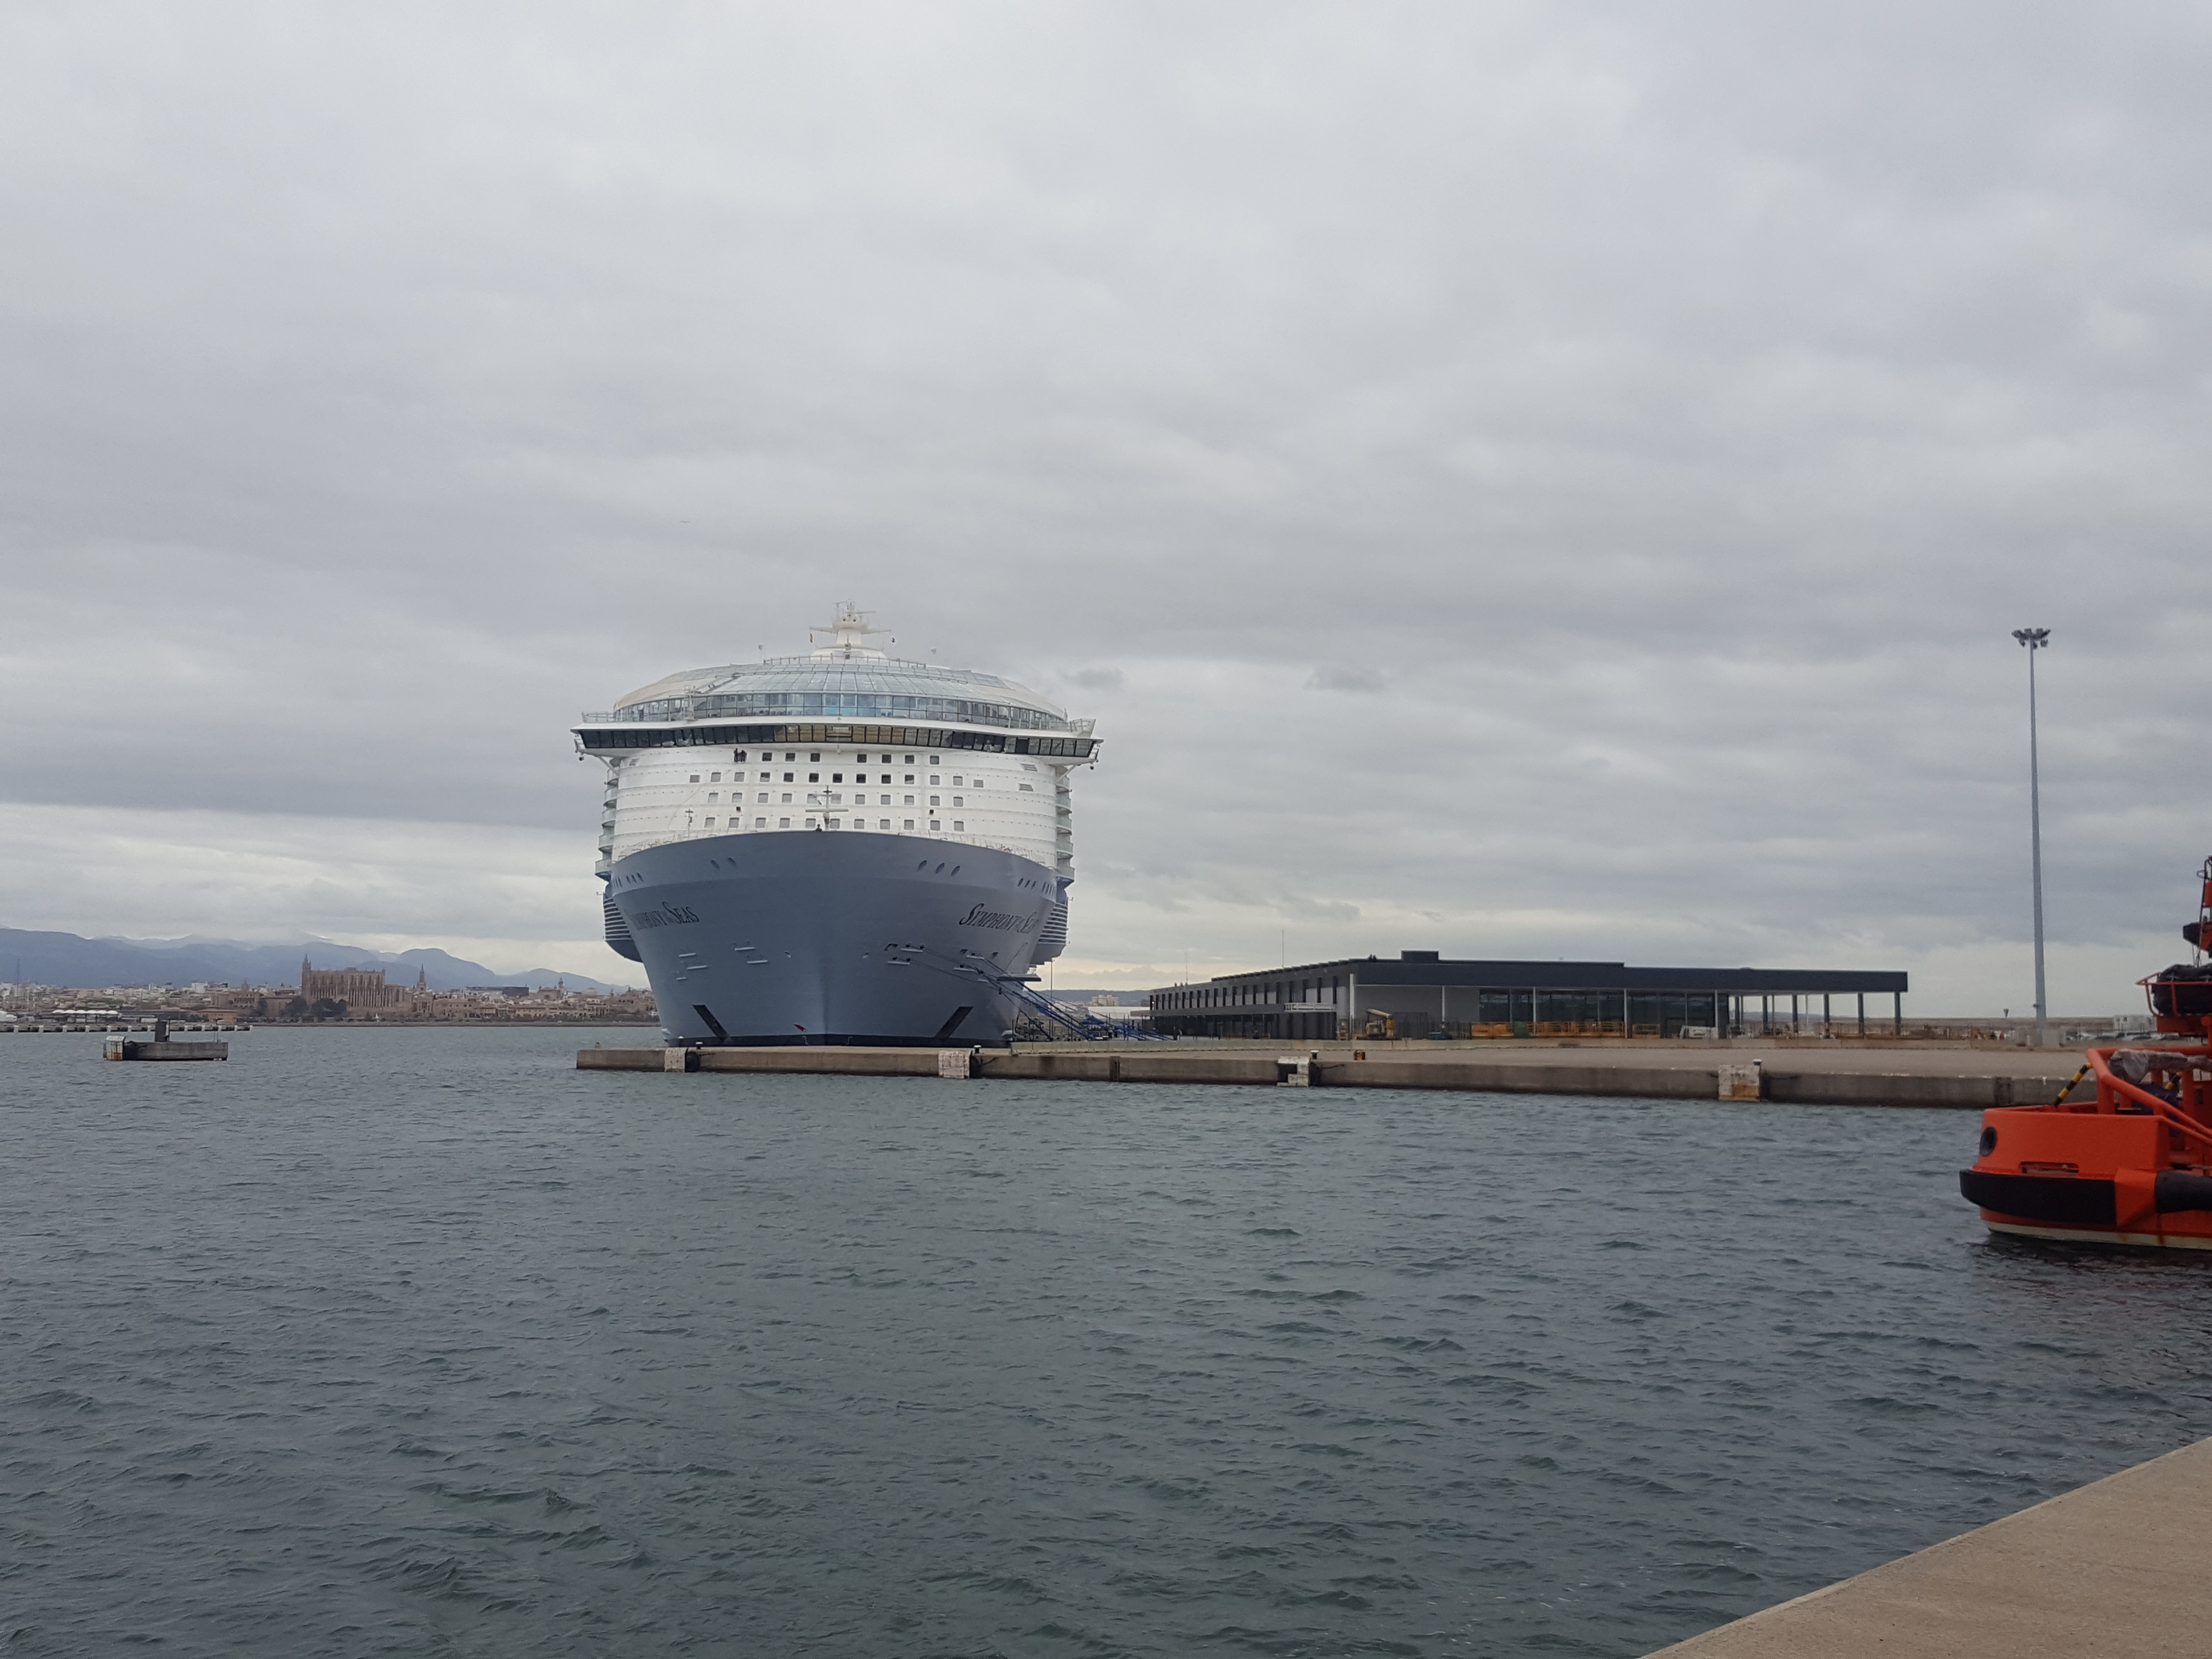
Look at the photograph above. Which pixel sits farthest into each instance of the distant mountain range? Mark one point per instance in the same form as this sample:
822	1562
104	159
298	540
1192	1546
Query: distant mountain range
66	959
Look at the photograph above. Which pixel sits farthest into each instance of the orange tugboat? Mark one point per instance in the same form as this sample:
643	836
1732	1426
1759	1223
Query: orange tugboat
2133	1164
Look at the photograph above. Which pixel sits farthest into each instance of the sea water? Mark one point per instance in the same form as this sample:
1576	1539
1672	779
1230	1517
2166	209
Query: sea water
421	1341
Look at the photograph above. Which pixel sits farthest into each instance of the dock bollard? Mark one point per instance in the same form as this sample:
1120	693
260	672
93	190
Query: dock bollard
1743	1082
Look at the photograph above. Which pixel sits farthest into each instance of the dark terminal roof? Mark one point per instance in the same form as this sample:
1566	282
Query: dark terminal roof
1428	967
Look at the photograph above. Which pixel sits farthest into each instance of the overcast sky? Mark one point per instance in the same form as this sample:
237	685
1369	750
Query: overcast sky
1516	480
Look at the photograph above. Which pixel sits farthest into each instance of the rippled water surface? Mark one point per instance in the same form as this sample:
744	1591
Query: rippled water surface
420	1341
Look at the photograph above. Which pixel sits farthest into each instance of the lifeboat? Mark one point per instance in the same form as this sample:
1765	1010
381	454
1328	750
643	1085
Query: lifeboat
2131	1162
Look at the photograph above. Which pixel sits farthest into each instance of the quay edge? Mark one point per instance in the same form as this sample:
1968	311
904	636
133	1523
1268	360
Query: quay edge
2113	1567
1781	1085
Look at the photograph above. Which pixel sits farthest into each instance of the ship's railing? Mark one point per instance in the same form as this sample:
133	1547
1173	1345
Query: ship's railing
644	843
850	705
599	739
2182	1064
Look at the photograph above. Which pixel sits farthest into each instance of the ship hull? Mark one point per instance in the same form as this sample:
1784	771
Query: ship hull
832	937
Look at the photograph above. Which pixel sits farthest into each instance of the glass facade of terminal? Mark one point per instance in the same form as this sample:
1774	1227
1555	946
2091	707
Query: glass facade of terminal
1383	1004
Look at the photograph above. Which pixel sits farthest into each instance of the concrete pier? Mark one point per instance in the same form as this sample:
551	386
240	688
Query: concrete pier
1968	1079
2118	1567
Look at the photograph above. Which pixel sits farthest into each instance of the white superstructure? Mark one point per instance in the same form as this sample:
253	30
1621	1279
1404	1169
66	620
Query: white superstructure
870	775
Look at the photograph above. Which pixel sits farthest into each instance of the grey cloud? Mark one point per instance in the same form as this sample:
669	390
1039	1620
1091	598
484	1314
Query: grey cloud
1096	679
1678	409
1335	677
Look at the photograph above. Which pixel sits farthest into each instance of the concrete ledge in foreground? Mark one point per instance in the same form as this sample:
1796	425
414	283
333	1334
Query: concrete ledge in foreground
2118	1567
1613	1072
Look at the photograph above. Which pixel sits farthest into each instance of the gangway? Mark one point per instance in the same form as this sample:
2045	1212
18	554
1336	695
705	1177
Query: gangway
1080	1023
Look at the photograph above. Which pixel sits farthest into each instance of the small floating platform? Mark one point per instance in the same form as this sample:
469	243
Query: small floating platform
161	1047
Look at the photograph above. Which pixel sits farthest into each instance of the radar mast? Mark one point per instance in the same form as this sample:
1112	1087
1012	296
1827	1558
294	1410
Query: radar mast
852	629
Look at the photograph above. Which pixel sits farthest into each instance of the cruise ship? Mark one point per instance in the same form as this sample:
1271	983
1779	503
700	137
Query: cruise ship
842	847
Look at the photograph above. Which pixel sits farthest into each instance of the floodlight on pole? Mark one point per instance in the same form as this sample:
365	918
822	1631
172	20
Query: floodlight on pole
2035	639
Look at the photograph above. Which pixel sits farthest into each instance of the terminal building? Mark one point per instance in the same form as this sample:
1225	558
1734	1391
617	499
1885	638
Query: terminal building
1423	994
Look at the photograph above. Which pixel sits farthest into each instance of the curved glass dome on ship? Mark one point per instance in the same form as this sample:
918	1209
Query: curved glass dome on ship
881	689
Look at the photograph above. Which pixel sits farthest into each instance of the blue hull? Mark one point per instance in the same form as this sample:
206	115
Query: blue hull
832	937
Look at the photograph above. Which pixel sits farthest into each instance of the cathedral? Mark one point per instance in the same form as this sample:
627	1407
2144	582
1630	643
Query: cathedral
363	990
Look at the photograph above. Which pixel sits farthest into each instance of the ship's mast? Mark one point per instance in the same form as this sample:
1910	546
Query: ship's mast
851	630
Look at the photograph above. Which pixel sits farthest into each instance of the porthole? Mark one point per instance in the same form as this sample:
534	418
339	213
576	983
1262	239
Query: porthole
1989	1139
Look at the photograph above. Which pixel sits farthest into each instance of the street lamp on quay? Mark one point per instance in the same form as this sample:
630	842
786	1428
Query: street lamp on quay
2035	639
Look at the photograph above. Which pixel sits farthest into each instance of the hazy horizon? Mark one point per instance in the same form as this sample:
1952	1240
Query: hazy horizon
1526	481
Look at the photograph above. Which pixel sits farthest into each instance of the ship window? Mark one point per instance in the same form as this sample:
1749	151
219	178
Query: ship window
1026	767
940	868
910	823
791	757
710	824
863	759
934	824
885	823
1028	789
957	800
909	760
716	777
836	777
814	757
906	800
956	779
957	824
934	779
760	824
933	760
764	797
741	755
814	777
787	777
787	798
933	799
694	777
783	823
955	869
910	777
883	800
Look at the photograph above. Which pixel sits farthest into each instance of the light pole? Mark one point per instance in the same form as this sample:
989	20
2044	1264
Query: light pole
2035	639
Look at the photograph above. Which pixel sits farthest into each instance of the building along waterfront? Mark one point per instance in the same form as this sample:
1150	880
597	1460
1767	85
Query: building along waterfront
1423	994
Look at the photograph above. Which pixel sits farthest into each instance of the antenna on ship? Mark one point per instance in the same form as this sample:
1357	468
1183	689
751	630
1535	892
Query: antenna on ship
852	629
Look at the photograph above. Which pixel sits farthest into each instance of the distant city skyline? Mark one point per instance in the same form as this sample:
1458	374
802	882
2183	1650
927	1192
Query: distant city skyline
1541	483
